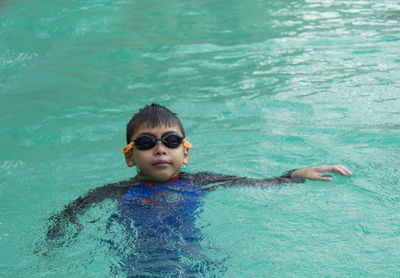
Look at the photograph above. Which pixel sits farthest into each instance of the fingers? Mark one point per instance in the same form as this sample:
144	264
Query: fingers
340	169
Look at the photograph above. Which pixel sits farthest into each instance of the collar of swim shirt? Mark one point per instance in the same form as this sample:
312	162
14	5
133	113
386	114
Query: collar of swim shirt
151	182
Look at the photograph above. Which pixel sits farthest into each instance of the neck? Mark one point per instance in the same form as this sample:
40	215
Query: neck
170	180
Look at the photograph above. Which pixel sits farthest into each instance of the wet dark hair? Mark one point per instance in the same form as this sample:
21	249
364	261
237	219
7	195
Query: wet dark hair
153	115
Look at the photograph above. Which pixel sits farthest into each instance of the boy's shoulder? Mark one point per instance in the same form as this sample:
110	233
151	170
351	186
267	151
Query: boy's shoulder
110	191
204	178
124	183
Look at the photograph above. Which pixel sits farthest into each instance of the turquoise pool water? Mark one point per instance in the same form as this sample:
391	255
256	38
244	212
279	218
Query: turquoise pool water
261	87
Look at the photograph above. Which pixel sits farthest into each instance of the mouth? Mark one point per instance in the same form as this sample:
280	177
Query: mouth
161	163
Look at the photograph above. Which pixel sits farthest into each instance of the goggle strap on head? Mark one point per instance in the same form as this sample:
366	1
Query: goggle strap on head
128	148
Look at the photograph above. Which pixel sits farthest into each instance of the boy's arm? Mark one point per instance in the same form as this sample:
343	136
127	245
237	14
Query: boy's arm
59	221
293	176
206	178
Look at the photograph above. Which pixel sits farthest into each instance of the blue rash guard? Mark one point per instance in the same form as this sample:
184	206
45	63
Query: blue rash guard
166	238
166	202
163	211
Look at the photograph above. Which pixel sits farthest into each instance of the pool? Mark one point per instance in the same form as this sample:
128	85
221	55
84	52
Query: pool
261	87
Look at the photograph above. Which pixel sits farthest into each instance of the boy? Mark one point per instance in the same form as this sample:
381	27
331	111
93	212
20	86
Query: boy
161	201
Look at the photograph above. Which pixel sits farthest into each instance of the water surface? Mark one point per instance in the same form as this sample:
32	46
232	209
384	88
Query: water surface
261	87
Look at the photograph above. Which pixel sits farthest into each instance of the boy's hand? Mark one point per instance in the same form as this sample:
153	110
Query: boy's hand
316	173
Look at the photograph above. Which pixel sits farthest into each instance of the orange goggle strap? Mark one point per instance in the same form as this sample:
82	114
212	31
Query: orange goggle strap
129	147
186	144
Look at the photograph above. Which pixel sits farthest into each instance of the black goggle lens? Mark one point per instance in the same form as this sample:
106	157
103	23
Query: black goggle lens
147	141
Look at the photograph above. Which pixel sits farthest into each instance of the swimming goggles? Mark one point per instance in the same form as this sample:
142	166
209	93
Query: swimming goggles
148	141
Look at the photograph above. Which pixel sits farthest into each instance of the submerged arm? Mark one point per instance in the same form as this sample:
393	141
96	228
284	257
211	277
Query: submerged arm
59	221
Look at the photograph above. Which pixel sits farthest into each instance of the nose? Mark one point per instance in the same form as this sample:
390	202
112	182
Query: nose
159	149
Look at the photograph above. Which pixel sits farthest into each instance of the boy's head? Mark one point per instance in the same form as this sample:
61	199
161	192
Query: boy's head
156	144
153	115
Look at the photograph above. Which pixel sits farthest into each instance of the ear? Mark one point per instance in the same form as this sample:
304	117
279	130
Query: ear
185	156
129	159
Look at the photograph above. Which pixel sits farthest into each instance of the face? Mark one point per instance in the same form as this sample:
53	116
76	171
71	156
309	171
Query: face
159	163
